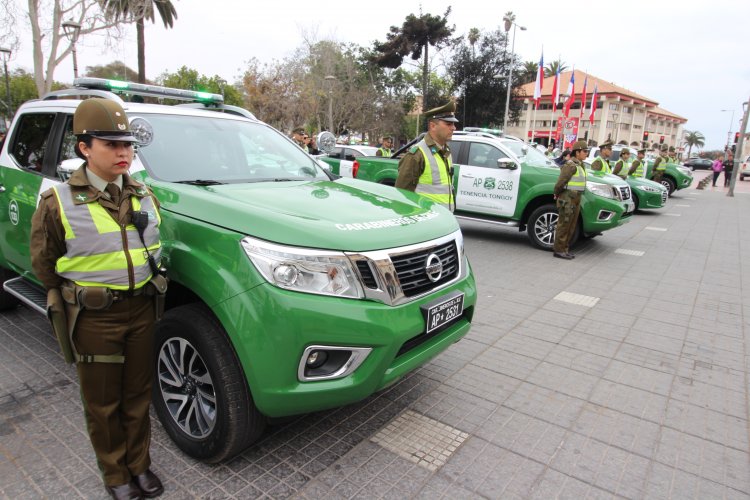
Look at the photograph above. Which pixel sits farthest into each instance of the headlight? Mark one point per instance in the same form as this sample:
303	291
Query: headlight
648	189
599	189
685	171
303	270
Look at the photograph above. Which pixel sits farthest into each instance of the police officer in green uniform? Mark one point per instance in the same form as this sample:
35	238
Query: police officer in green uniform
660	165
601	163
621	166
427	168
672	155
95	245
570	186
638	167
385	150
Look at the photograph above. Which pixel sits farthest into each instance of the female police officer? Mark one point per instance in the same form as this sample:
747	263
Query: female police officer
85	245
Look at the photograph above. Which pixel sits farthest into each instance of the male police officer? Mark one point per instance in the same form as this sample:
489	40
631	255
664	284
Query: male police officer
660	165
570	185
621	166
95	245
433	182
601	163
638	167
385	150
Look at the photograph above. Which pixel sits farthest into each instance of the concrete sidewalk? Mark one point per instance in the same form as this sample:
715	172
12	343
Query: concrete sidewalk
622	373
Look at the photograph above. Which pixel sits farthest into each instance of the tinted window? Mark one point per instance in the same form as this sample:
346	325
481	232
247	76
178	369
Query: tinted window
67	147
484	155
30	141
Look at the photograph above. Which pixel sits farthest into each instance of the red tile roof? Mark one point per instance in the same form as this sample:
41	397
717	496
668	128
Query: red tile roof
603	87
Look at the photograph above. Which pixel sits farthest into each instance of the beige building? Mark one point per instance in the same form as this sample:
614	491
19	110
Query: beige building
621	115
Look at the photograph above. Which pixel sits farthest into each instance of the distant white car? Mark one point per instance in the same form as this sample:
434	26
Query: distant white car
745	169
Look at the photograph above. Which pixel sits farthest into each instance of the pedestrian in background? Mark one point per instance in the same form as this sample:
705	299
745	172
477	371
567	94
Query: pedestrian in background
717	167
386	147
563	158
571	184
299	136
728	167
95	247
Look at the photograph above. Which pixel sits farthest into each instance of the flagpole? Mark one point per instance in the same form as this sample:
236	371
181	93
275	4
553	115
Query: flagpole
533	124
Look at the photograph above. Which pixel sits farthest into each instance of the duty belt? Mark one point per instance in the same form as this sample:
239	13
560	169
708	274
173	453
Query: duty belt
118	295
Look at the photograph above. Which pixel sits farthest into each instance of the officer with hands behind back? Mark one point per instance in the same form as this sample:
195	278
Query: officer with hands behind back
570	185
427	168
95	246
602	162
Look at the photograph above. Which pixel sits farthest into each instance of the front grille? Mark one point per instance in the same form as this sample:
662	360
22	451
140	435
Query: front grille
411	268
368	277
624	193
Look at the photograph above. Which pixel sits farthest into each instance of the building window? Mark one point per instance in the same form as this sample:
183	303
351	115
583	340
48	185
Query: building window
636	127
627	109
613	107
610	124
624	126
638	111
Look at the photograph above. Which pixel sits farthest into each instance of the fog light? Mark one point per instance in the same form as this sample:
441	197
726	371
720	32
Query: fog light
316	359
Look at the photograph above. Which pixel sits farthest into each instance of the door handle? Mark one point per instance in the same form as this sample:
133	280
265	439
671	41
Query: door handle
467	176
2	188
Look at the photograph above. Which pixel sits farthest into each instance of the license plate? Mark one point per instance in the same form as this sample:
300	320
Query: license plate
444	311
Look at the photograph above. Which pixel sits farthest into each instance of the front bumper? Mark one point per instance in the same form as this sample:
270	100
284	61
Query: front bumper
649	199
602	214
270	329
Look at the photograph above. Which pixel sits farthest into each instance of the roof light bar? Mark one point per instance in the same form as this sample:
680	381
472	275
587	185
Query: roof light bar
132	88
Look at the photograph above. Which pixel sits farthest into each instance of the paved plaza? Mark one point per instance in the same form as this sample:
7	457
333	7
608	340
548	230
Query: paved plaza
622	373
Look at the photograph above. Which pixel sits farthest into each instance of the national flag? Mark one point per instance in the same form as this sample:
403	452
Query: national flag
556	90
583	95
539	81
571	93
593	106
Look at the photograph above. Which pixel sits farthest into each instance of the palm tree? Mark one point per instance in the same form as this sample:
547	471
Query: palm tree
140	10
528	72
473	38
694	138
554	66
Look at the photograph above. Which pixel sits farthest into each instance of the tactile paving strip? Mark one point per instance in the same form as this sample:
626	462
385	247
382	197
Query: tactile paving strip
577	299
422	440
635	253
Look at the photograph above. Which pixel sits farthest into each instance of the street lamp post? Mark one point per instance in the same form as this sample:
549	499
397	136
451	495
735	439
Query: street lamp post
729	134
72	29
508	22
615	116
6	55
330	79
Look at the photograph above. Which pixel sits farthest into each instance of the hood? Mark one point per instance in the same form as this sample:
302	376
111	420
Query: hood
345	214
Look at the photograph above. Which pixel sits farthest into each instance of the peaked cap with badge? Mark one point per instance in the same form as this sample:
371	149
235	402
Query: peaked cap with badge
606	144
102	118
446	113
579	145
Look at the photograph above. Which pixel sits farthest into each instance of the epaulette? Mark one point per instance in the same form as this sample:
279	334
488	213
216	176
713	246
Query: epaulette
46	194
413	149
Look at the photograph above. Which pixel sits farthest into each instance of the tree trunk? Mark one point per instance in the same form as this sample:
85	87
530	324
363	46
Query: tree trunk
139	28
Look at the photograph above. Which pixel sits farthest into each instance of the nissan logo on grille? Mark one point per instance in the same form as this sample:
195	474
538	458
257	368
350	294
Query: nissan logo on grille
433	267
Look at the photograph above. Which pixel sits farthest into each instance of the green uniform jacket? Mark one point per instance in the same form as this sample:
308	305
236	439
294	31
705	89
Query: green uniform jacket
411	165
567	171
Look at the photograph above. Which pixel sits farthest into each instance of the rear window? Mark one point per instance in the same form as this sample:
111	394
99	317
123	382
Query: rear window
29	146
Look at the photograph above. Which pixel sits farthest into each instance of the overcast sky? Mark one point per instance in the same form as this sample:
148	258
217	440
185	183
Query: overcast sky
691	57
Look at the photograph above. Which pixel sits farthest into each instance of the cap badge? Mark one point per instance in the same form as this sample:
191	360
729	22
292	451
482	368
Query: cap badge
121	126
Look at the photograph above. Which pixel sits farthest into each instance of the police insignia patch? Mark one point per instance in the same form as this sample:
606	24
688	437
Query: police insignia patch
413	149
81	197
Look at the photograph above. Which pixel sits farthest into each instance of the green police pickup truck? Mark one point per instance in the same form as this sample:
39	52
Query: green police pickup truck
646	194
291	290
500	180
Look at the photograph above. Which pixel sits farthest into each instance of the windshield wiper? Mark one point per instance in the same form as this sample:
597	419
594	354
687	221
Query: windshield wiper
201	182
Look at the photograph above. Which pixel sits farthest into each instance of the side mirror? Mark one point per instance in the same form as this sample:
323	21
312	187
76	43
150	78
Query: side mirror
524	150
507	163
326	142
67	167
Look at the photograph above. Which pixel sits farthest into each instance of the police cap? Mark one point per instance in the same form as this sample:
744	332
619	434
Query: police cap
664	149
671	149
579	145
624	151
642	150
447	113
103	119
606	145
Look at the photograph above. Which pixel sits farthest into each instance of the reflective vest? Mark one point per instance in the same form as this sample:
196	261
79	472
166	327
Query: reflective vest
385	152
434	182
663	163
638	169
605	165
578	181
100	252
623	173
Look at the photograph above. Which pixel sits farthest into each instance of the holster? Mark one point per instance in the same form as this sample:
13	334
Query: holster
158	287
58	318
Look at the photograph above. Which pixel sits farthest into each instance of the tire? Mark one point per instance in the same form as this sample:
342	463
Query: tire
636	201
668	183
387	182
7	301
200	392
541	227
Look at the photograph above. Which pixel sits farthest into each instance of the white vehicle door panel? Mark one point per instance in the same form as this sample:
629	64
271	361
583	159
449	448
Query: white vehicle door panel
485	188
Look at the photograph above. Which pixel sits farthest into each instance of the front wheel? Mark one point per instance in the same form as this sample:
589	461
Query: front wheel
541	227
668	183
200	392
636	201
7	301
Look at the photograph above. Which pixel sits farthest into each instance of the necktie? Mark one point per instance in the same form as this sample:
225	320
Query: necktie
114	193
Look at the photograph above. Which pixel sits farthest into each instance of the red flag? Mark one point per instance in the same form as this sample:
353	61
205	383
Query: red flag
555	90
539	82
571	94
583	95
593	106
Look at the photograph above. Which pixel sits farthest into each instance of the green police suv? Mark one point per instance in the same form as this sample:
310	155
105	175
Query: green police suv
291	290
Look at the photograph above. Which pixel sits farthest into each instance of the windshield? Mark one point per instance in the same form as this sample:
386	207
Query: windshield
531	156
216	150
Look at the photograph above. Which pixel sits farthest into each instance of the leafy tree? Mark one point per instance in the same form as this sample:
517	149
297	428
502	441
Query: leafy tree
483	77
528	72
22	88
414	38
49	43
694	138
553	67
116	70
190	79
140	11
